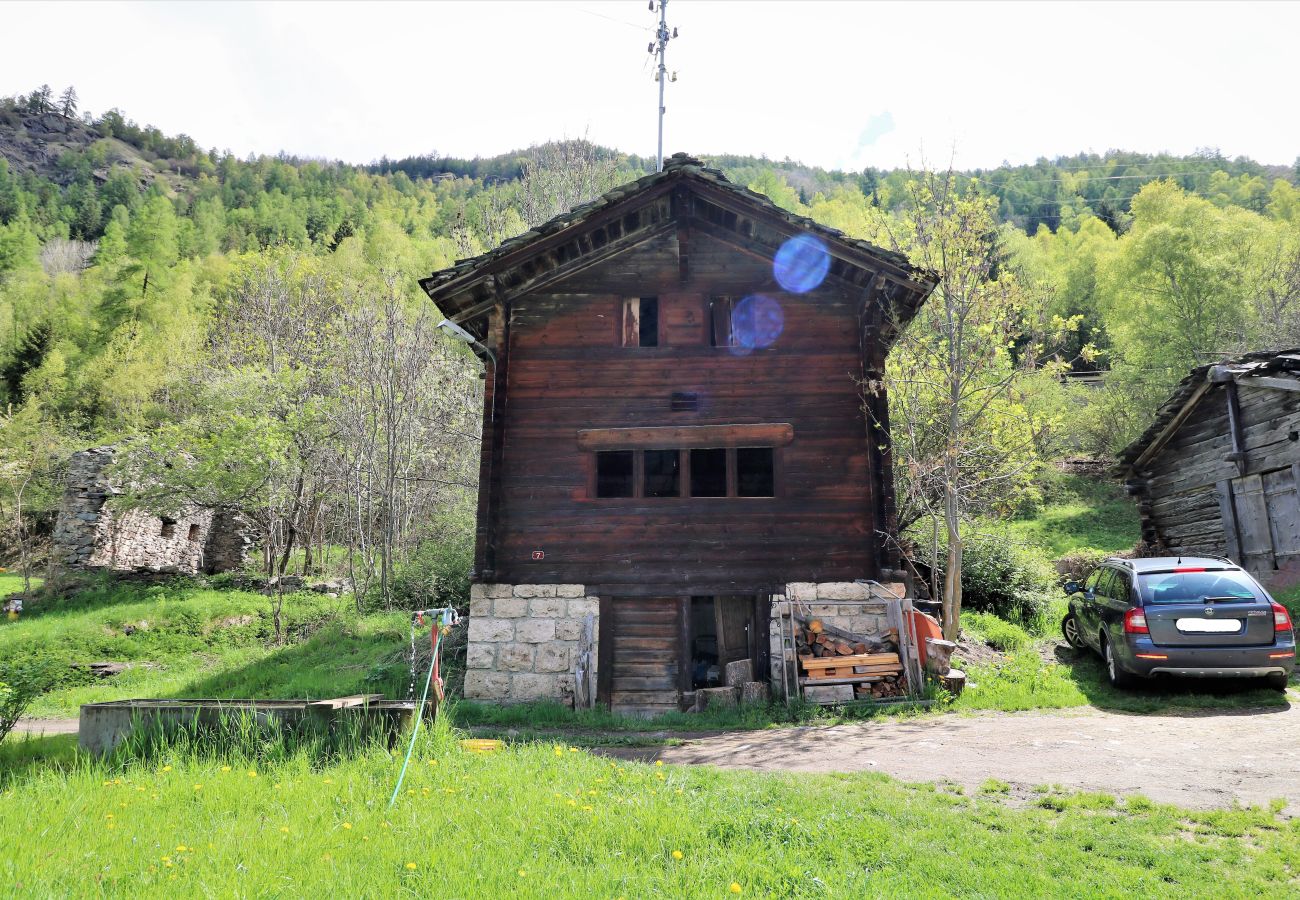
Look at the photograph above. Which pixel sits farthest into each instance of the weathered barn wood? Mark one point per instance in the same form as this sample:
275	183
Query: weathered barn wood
667	425
1216	474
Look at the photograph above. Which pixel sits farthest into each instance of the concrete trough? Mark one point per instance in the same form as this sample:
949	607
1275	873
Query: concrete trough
105	725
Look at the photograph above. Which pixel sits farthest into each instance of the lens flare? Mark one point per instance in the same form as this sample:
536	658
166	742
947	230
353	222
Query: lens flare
801	264
756	322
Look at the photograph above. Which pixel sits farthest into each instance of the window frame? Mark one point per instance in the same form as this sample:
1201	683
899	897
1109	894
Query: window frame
683	474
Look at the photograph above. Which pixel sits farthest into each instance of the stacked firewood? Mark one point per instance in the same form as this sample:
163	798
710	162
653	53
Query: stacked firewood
837	666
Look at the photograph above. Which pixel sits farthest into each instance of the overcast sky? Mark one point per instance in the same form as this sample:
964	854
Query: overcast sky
833	84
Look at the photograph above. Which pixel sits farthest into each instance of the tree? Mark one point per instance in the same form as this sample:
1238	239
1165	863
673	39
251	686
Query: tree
40	101
30	449
68	101
964	437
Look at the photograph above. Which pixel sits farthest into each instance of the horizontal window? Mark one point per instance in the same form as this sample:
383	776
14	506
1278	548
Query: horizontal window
695	472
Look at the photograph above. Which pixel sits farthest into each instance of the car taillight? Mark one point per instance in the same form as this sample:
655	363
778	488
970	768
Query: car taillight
1135	622
1281	618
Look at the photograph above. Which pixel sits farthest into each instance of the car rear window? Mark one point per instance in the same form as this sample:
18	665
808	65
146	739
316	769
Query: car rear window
1193	587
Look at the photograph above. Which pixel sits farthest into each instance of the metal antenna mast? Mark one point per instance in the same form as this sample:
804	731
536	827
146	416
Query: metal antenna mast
658	45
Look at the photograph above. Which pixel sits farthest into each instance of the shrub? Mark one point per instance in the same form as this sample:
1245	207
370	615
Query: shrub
20	684
435	574
1078	564
1002	576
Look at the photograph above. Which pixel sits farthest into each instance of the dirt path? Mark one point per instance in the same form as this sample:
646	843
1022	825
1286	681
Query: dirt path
46	726
1201	760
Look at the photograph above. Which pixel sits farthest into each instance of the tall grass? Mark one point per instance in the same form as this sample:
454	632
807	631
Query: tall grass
546	820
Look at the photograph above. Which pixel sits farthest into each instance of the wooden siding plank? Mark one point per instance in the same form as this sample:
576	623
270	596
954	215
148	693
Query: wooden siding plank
685	437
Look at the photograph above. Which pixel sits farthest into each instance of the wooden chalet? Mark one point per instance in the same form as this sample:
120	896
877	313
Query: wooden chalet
1216	473
675	431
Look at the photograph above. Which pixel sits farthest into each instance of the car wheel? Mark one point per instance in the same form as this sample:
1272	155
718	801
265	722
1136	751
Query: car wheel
1277	681
1073	633
1115	674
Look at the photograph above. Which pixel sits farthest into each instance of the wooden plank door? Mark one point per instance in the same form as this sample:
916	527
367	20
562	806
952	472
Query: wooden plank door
1283	514
733	616
1253	525
644	658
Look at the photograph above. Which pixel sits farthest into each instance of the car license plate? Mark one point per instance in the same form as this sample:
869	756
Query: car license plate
1209	626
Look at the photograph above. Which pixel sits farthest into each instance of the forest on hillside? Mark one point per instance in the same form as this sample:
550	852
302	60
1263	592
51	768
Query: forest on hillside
251	333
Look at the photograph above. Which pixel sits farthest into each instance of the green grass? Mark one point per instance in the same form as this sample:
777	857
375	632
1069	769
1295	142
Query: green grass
1080	513
541	820
1024	681
997	633
186	640
13	584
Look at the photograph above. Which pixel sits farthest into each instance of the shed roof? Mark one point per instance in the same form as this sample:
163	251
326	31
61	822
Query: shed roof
451	288
1243	369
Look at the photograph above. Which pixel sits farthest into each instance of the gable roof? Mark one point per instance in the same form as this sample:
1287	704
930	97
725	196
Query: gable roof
466	291
1244	369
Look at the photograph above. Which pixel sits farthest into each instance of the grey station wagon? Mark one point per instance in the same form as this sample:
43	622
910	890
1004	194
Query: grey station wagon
1201	617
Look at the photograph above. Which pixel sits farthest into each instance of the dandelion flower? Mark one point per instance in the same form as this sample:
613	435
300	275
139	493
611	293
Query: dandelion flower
586	809
284	828
168	864
166	768
108	815
659	775
680	791
365	837
411	866
573	749
735	888
329	780
559	751
180	848
198	787
659	762
677	854
252	774
225	768
573	802
347	825
591	793
522	873
433	762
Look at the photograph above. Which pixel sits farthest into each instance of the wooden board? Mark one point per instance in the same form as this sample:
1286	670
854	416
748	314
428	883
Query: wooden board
859	659
645	653
686	436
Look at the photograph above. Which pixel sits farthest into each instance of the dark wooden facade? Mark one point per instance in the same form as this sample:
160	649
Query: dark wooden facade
1217	473
547	310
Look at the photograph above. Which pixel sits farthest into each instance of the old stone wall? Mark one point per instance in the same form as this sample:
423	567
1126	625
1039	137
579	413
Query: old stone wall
89	535
524	641
853	607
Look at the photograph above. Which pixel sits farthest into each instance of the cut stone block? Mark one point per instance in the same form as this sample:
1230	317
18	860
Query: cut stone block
841	590
578	609
553	658
828	693
535	631
500	590
706	698
737	673
534	590
534	687
493	631
515	658
754	692
480	606
480	656
547	607
570	591
510	607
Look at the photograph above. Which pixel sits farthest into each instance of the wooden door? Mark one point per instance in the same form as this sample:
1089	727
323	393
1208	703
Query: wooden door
644	656
733	617
1283	514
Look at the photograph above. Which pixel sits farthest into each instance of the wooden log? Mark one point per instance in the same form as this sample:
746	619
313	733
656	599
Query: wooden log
954	682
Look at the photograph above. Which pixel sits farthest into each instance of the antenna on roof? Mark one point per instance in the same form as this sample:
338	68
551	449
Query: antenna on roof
662	37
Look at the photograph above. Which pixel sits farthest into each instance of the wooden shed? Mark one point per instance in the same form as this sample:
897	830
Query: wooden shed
1217	472
674	431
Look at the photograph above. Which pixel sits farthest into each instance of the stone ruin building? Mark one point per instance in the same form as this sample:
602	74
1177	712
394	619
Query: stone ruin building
88	535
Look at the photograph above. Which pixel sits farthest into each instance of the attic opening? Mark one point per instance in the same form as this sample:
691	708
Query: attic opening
641	322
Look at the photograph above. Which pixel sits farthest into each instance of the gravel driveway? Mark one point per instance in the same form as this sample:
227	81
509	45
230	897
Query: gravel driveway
1198	760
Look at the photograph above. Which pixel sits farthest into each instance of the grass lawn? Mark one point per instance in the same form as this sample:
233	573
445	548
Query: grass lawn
13	584
543	820
185	640
1080	512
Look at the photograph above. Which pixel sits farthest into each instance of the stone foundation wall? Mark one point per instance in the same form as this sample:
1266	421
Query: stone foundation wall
857	608
524	639
88	535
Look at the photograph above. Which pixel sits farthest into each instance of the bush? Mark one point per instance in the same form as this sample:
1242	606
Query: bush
435	574
1078	564
19	686
1009	579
